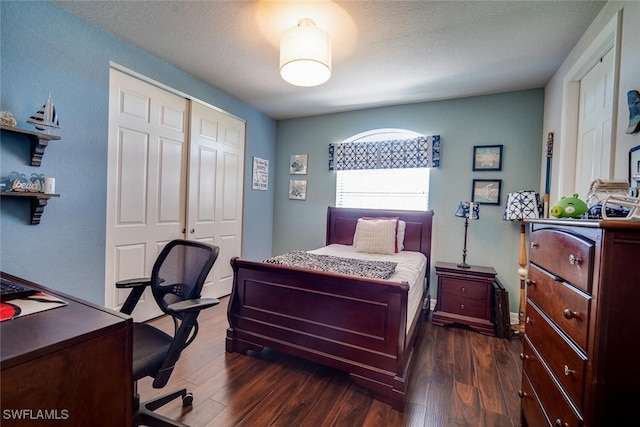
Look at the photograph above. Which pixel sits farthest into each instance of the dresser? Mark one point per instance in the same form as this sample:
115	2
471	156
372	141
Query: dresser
581	343
465	296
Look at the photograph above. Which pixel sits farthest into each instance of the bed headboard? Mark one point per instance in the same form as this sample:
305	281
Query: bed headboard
341	225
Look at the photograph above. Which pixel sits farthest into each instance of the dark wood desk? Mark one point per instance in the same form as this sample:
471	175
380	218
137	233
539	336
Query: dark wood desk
71	363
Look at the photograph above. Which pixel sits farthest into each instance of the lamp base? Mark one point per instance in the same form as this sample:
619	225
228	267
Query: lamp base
464	265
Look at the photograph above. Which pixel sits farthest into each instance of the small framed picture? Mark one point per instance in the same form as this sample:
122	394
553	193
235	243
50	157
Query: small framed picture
298	189
298	164
487	157
486	191
634	166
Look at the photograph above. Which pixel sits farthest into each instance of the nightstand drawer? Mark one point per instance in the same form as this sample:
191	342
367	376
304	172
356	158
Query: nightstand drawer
464	289
567	363
556	406
568	307
463	306
565	255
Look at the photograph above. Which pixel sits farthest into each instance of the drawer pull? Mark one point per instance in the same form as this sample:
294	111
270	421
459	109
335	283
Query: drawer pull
461	306
463	290
568	314
530	282
534	245
573	260
524	356
568	371
522	393
528	321
559	423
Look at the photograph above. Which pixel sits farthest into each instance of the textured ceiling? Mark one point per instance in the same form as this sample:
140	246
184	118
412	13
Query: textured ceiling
384	52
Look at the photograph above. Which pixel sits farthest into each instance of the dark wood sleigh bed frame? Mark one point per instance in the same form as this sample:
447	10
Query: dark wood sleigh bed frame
346	322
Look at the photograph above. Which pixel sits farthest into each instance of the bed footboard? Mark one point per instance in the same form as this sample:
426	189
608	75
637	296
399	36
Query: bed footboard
353	324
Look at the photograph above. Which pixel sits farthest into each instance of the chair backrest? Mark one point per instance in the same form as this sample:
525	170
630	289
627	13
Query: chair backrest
180	271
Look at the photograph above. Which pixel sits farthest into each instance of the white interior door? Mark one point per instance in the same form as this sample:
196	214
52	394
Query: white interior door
216	173
146	182
594	150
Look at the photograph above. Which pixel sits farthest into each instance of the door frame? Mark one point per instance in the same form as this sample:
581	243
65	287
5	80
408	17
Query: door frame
608	39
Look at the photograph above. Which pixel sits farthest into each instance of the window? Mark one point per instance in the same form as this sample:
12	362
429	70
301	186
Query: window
394	188
406	189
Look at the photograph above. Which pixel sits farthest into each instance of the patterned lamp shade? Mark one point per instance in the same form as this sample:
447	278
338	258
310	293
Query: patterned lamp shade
521	205
465	208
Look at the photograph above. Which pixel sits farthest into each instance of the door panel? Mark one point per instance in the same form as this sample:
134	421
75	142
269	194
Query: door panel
215	189
594	151
146	182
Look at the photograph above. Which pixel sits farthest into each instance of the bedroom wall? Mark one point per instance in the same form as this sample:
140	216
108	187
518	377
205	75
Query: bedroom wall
512	119
629	79
45	50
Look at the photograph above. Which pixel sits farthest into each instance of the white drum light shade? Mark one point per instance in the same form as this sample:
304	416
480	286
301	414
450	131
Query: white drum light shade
305	55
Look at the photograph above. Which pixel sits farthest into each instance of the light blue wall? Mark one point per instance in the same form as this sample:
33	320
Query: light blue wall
511	119
44	50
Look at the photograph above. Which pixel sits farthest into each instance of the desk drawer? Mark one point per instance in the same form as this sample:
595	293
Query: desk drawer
553	400
565	255
568	307
567	363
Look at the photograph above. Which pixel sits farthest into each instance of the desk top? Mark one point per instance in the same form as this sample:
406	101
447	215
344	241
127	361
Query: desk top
38	334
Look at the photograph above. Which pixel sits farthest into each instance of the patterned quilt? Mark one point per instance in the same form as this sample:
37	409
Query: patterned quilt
333	264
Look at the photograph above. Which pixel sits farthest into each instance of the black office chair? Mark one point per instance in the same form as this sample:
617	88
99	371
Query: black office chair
176	282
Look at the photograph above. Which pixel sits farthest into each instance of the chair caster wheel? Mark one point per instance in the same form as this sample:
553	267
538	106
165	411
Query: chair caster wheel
187	400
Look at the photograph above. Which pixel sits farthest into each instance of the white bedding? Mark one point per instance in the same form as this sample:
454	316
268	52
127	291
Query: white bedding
411	268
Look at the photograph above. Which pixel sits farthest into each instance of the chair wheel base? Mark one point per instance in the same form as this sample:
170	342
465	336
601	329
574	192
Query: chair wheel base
187	400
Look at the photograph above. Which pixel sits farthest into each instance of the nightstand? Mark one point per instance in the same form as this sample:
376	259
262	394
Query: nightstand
465	296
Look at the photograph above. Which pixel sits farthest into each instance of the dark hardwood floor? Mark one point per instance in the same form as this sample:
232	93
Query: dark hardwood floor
461	378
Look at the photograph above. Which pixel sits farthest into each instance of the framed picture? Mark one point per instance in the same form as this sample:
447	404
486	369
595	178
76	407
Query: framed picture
487	157
486	191
260	175
298	164
634	166
298	189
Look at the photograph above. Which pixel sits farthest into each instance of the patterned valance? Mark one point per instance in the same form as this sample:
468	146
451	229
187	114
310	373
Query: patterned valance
419	152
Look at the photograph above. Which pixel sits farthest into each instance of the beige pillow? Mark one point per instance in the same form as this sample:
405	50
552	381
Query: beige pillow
376	236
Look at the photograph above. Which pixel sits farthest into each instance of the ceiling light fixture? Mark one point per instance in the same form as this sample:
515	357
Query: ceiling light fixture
305	55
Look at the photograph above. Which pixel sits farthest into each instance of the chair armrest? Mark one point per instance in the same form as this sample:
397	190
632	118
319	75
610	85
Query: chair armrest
133	283
192	305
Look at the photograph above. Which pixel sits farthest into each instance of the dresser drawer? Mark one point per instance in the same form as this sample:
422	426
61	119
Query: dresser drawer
566	361
564	254
533	413
556	406
568	307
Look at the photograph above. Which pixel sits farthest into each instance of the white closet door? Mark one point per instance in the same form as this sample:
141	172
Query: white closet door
146	182
215	189
594	151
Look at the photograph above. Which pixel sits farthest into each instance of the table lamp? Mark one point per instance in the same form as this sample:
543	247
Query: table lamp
467	210
520	206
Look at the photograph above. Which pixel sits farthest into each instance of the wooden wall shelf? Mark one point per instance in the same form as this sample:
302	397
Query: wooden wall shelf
38	202
38	140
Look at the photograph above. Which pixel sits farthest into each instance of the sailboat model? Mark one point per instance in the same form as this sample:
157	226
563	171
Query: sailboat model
46	117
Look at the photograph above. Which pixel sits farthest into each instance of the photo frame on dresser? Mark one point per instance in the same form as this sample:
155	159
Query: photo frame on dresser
634	166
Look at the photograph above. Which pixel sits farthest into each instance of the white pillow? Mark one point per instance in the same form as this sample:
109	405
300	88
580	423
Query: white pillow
376	236
402	226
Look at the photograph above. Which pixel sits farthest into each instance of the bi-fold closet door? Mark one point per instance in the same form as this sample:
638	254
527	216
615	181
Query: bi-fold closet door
175	170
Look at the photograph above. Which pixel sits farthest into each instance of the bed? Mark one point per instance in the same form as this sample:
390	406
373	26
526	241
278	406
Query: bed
367	327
